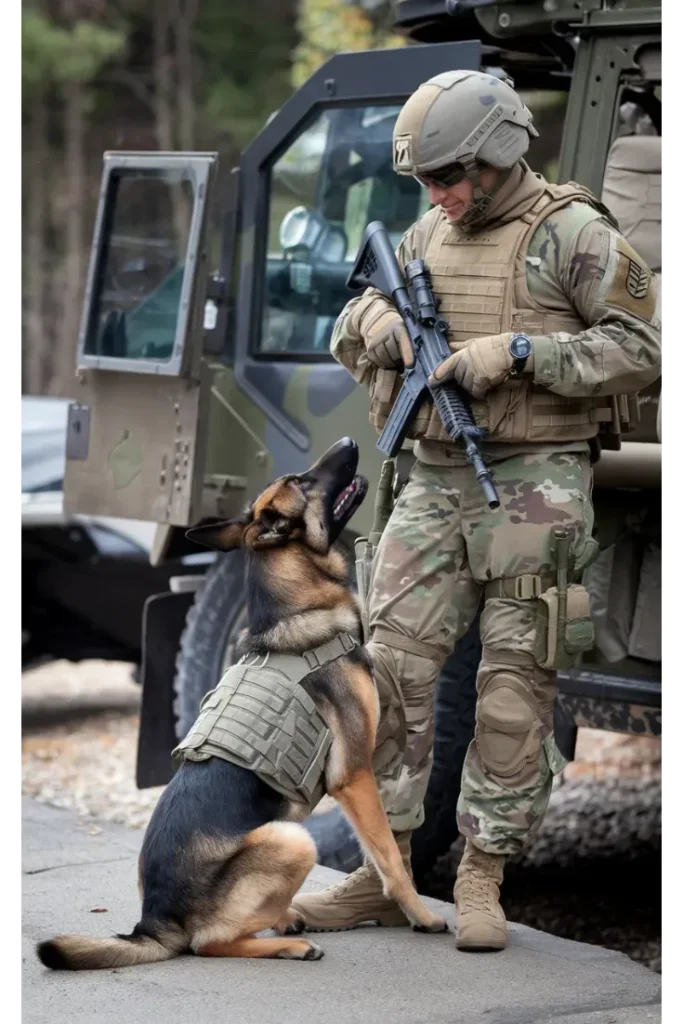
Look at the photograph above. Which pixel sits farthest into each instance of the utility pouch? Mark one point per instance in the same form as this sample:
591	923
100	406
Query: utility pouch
560	638
564	627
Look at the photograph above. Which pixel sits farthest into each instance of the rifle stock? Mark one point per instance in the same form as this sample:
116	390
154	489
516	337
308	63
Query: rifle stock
377	267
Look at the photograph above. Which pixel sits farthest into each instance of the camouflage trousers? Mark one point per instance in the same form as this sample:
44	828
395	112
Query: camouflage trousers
440	547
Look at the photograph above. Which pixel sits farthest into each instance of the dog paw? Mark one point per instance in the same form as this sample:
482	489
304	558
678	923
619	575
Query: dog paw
314	952
434	926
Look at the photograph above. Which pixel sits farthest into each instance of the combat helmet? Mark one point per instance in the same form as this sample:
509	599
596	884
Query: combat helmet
457	121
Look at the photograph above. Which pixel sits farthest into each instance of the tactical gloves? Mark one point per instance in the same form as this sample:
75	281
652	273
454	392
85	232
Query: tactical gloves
482	364
387	342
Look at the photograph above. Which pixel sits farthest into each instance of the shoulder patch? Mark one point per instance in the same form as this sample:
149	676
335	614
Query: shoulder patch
631	285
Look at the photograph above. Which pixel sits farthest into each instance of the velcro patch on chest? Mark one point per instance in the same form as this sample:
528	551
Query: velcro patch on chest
632	285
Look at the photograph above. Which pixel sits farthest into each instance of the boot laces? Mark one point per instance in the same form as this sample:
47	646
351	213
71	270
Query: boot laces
361	874
475	892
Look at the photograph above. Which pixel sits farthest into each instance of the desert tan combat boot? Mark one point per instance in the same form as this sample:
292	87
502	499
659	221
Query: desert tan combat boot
479	919
356	900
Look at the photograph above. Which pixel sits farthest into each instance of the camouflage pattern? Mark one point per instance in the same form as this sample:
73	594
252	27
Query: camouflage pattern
440	547
585	257
577	255
240	446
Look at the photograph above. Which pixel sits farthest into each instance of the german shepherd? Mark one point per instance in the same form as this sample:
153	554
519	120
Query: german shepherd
224	853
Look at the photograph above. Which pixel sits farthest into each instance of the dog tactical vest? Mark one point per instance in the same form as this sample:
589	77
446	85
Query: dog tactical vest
261	718
480	280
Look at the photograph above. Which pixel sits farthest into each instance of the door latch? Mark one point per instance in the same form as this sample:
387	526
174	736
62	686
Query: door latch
78	431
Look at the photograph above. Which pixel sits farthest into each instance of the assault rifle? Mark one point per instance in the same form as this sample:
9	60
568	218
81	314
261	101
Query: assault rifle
377	267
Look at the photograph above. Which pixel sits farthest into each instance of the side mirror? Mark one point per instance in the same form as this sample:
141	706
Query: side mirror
301	229
305	234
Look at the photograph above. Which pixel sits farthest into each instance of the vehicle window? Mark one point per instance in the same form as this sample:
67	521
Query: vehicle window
334	179
140	274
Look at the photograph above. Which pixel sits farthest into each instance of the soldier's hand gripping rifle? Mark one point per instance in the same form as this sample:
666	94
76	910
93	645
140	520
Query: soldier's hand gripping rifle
378	267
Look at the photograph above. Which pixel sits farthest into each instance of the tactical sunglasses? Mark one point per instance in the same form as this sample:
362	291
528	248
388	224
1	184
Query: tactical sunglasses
443	177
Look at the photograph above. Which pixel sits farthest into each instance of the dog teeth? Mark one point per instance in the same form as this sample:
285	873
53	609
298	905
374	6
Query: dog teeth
345	499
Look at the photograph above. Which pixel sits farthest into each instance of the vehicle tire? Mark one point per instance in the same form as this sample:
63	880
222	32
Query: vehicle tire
213	625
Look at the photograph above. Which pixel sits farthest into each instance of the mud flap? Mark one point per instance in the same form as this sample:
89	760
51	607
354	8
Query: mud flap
163	622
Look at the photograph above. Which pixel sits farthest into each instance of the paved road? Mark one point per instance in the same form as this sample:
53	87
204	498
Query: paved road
369	976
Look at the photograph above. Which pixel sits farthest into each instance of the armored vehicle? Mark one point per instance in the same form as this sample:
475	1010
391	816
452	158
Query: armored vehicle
203	366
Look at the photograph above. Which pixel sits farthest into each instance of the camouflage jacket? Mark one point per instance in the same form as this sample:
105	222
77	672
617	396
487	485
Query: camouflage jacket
576	253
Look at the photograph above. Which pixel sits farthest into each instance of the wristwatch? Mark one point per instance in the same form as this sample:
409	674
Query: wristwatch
520	350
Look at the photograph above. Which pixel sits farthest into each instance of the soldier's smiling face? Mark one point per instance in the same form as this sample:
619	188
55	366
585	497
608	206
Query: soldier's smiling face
454	200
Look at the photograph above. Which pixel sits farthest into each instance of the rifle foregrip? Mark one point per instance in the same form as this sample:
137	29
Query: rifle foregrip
454	414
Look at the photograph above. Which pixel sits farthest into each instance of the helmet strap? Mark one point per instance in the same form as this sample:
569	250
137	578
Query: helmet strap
481	201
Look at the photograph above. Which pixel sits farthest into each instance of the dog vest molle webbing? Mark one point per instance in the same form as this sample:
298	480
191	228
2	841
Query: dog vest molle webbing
261	718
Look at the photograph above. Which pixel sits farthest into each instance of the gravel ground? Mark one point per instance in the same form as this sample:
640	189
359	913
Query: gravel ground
592	874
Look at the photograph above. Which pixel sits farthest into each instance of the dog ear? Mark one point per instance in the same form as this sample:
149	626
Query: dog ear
223	536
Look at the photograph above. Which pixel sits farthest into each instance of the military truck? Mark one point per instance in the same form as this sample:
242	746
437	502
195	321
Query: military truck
203	366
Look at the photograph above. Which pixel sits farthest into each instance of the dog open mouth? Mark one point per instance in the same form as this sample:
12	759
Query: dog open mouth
349	499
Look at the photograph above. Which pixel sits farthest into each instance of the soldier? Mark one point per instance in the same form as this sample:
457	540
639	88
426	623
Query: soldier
510	254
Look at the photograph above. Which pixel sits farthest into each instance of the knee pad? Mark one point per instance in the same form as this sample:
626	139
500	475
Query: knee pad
508	729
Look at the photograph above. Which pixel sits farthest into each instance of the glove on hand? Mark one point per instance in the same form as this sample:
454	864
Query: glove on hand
482	364
387	342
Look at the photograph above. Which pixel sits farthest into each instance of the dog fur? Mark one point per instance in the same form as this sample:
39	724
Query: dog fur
224	854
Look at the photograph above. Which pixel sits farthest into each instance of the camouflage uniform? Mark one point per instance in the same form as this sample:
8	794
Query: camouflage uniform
442	545
522	257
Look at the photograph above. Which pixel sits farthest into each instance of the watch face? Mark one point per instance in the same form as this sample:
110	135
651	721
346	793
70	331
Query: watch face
520	346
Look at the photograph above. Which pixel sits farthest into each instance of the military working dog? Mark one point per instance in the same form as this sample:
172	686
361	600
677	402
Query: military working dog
224	852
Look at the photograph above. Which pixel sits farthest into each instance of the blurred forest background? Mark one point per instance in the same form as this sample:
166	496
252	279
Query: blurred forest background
145	75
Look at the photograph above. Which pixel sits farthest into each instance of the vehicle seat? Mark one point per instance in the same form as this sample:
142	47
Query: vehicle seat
633	189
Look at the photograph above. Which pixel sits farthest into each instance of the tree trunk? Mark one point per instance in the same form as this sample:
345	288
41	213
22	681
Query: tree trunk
36	344
163	78
74	231
185	12
186	15
166	112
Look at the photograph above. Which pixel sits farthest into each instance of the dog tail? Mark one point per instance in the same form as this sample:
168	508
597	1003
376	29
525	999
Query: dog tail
83	953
